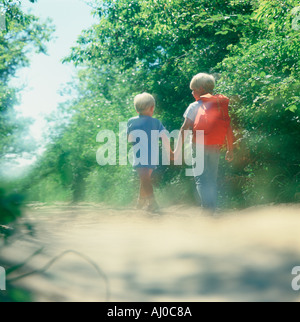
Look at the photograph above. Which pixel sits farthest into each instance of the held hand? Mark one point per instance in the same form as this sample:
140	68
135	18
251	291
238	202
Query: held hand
172	156
177	154
229	156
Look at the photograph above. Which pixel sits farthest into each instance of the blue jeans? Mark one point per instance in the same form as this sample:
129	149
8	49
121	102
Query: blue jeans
206	183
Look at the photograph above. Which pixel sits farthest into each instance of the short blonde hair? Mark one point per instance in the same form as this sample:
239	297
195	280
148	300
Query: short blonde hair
144	101
203	80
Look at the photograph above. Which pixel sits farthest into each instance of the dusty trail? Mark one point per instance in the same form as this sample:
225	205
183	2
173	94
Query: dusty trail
179	256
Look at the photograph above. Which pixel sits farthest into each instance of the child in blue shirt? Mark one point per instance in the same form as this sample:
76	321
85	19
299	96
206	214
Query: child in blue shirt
146	156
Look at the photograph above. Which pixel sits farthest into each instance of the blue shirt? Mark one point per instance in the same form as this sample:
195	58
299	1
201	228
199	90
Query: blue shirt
143	154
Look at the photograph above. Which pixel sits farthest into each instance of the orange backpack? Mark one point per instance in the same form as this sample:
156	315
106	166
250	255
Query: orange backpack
213	119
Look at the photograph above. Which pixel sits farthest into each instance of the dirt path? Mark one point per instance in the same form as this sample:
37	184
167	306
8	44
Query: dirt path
179	256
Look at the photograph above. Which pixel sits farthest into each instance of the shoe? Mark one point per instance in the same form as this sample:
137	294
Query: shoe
153	207
141	204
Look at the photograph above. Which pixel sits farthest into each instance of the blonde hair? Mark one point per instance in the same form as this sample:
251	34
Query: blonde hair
203	80
143	102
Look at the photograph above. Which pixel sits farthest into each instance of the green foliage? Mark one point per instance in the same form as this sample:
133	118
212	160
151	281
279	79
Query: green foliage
16	295
158	45
262	75
23	34
10	207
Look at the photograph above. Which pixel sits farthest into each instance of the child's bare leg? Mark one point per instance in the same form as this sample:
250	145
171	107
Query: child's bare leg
146	191
146	188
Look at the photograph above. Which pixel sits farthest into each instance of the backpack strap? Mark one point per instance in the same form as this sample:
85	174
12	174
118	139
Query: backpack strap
221	108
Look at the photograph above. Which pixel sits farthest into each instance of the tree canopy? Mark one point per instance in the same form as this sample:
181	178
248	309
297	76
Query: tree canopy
22	34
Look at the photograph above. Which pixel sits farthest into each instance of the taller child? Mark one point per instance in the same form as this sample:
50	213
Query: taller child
210	114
